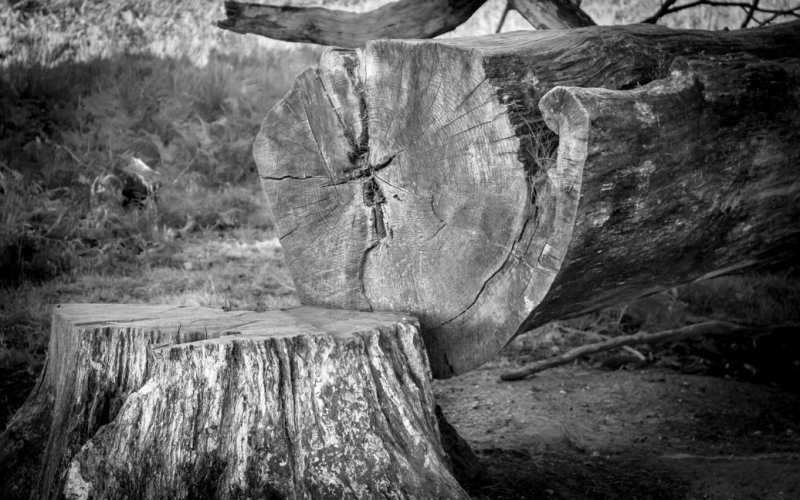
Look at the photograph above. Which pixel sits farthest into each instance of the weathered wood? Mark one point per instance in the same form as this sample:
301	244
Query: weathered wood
336	25
343	28
421	176
552	14
152	402
705	177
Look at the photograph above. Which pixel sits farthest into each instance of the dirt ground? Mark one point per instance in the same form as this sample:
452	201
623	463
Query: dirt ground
578	432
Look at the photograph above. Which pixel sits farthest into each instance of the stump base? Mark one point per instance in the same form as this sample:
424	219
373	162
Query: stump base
165	402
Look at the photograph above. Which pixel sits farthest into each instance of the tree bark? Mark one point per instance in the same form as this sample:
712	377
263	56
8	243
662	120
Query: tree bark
343	28
422	175
152	402
398	19
552	14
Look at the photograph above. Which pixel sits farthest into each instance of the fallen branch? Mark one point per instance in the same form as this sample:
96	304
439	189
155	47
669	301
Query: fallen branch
711	327
721	458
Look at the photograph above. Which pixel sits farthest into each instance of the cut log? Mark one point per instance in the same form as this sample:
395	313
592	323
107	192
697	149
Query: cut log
422	176
160	402
336	25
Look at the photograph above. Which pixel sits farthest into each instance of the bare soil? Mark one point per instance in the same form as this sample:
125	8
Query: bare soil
579	432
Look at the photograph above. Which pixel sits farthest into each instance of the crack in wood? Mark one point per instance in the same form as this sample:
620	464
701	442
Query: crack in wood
293	177
489	279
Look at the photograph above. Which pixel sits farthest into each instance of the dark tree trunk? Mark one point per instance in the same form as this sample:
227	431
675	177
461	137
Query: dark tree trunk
343	28
337	26
159	402
422	176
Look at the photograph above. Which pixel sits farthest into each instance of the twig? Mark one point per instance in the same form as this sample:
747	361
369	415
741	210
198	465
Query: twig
750	12
567	329
667	8
765	456
633	351
661	12
503	17
69	152
705	328
191	162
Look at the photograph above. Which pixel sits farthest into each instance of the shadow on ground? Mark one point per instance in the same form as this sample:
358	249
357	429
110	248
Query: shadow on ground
582	433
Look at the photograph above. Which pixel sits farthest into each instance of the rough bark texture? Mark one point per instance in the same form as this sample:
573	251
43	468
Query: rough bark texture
421	176
552	14
157	402
692	174
336	25
342	28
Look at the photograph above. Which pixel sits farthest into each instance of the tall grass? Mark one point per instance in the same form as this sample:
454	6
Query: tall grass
85	86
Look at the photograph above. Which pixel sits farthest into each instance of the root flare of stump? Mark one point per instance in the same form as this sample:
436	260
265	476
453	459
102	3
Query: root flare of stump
152	402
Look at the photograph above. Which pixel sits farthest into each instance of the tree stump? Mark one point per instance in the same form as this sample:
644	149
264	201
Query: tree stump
160	402
423	176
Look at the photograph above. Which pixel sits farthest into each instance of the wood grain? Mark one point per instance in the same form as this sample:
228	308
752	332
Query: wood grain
343	28
159	402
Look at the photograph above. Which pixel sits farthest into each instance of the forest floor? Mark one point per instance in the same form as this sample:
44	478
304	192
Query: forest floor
676	427
580	432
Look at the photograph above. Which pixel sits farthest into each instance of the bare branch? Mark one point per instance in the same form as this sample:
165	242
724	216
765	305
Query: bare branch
661	12
552	14
503	17
750	7
750	12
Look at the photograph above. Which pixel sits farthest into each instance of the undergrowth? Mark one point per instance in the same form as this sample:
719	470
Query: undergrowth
88	86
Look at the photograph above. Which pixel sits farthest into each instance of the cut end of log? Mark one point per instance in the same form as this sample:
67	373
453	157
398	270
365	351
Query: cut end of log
443	191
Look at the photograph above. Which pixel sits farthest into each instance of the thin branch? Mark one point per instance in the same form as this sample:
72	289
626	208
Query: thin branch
750	12
712	327
661	12
669	8
503	17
